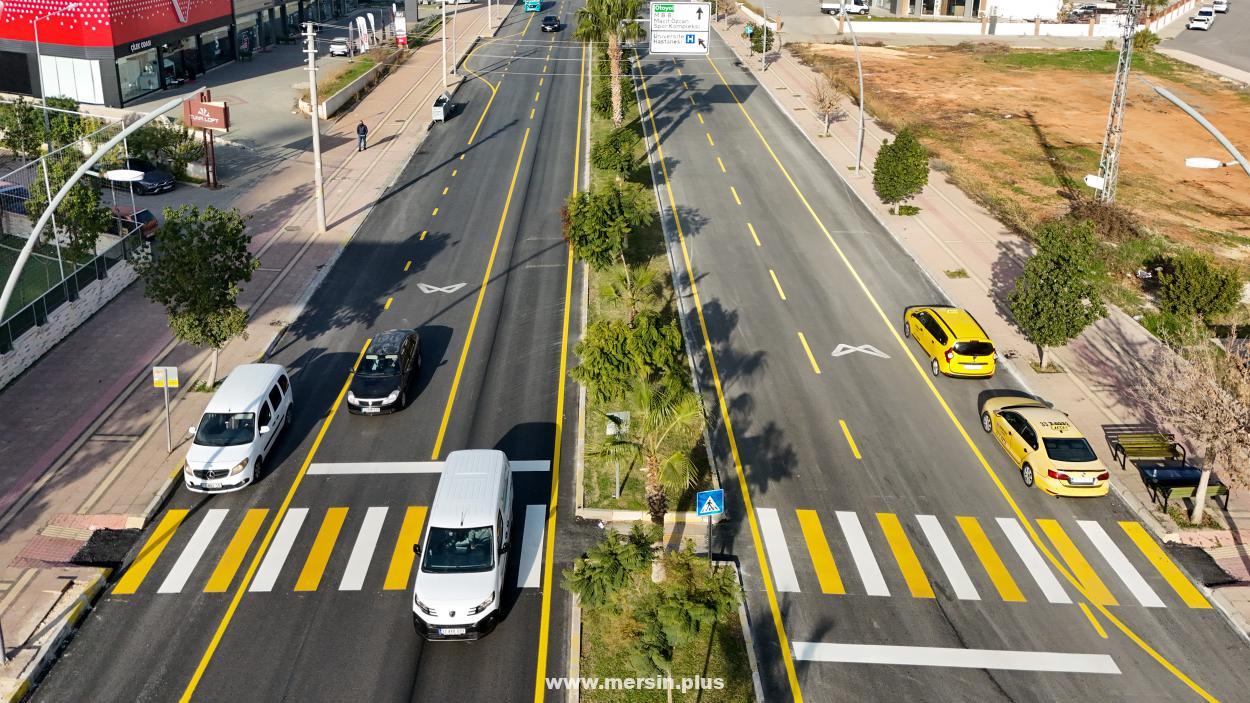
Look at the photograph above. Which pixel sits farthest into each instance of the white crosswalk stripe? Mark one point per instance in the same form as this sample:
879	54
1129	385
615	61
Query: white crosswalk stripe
861	553
1130	577
941	545
362	551
193	552
779	560
529	571
279	548
1033	561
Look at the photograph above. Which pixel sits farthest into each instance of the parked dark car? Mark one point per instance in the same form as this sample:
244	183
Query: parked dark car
551	23
154	180
380	384
128	218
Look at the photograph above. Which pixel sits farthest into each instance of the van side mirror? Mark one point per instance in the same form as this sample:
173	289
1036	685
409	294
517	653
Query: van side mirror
264	429
191	430
416	549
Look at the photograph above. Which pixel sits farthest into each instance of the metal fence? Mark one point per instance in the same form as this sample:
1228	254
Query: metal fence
36	313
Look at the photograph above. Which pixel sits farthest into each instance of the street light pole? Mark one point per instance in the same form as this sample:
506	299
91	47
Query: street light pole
1245	166
443	3
319	185
859	68
43	98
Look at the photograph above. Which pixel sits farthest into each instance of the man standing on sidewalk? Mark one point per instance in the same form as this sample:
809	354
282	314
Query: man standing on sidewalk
362	132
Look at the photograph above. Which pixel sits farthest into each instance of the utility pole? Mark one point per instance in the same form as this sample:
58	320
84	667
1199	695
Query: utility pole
764	44
1109	164
859	68
443	4
319	185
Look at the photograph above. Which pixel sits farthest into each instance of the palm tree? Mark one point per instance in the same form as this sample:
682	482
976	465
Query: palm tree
601	21
635	287
662	415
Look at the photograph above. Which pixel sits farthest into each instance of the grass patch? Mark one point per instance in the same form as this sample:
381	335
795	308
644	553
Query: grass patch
1097	61
1181	517
1051	367
956	273
885	18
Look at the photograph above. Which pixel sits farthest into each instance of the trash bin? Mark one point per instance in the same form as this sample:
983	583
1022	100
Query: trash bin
442	107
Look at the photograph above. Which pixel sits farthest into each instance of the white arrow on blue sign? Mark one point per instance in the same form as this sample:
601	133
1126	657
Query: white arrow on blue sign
709	503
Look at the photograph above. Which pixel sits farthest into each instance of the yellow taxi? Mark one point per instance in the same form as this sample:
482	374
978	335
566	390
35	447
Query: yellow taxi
1045	446
951	338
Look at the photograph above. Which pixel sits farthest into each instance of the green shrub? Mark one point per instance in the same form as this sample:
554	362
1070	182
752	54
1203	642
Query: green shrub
757	38
601	101
1145	40
597	222
907	210
615	151
1172	329
615	357
1192	285
901	170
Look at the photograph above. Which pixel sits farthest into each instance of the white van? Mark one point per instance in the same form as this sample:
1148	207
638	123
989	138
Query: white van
238	429
464	552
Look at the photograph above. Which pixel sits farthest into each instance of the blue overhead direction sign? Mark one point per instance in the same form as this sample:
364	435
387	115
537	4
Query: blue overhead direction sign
709	503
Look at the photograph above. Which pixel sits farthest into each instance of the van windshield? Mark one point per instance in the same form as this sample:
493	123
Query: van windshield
226	429
453	550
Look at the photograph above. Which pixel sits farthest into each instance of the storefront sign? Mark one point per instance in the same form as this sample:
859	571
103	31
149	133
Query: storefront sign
206	115
401	29
140	45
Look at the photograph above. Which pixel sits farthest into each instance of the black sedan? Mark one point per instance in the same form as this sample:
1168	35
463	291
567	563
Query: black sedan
380	383
551	23
153	180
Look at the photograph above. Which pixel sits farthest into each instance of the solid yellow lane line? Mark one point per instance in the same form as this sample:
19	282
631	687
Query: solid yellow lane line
279	514
549	545
319	555
709	139
994	567
1168	570
735	192
950	413
810	357
700	116
846	431
224	573
774	607
139	568
408	264
913	574
754	235
481	296
1094	586
777	283
387	306
494	90
721	164
1093	620
818	548
401	559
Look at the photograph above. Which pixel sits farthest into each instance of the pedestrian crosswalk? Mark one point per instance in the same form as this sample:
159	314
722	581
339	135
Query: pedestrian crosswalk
340	548
970	559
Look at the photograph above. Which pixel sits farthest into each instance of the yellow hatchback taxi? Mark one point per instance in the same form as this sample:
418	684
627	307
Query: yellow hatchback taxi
951	338
1045	446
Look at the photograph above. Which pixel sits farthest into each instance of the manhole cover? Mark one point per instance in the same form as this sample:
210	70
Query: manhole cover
106	548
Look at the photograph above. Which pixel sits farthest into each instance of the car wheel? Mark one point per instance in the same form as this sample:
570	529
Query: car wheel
987	423
906	329
257	469
933	366
1026	473
403	399
140	190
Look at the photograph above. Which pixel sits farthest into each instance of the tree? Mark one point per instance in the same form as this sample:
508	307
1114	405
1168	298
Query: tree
601	21
1058	295
901	170
174	145
80	218
663	415
828	96
22	125
760	33
608	566
634	287
1207	398
596	222
615	152
203	259
65	126
617	355
1192	285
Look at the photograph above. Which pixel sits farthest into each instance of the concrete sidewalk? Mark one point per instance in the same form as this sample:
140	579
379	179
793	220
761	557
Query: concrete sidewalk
84	441
951	233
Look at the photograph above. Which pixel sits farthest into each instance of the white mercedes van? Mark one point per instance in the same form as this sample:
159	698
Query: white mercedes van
464	552
238	429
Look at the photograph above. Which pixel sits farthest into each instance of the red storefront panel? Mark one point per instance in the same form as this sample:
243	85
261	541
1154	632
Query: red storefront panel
104	22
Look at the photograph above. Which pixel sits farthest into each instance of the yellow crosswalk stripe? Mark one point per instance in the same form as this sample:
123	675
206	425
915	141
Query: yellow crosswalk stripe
129	582
913	574
235	551
310	576
401	559
1007	588
1186	590
1094	587
818	548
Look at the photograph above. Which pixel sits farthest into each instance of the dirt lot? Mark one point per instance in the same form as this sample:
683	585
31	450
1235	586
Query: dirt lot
1020	129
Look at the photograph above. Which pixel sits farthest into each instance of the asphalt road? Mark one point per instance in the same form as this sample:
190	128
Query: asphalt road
907	528
475	215
1224	42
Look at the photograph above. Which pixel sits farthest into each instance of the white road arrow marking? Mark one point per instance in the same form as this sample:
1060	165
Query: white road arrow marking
844	349
427	288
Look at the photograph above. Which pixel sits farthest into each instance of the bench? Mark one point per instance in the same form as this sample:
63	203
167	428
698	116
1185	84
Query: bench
1145	445
1166	483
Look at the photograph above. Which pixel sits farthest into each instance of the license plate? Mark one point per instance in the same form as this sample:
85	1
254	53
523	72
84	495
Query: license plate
212	484
1081	480
448	631
368	411
973	366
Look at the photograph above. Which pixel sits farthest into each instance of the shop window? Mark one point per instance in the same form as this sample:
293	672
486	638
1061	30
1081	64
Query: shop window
137	74
216	48
15	73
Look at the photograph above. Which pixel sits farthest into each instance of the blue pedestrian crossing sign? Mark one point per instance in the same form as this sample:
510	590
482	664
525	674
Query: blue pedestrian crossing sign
709	503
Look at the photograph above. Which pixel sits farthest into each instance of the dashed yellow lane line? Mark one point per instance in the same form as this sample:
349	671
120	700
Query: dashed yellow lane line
735	192
1093	620
685	85
407	265
544	69
700	116
709	139
679	71
536	94
462	157
423	233
754	235
777	283
540	80
445	189
532	109
435	213
810	357
721	164
387	306
152	549
454	171
691	99
846	431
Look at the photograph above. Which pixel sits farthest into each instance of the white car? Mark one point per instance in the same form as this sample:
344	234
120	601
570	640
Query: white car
1203	20
852	7
339	47
1220	5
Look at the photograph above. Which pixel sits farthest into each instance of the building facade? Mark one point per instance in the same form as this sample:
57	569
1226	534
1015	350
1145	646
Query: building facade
114	52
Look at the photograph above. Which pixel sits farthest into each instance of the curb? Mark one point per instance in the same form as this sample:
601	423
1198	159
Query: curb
671	517
575	647
744	620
